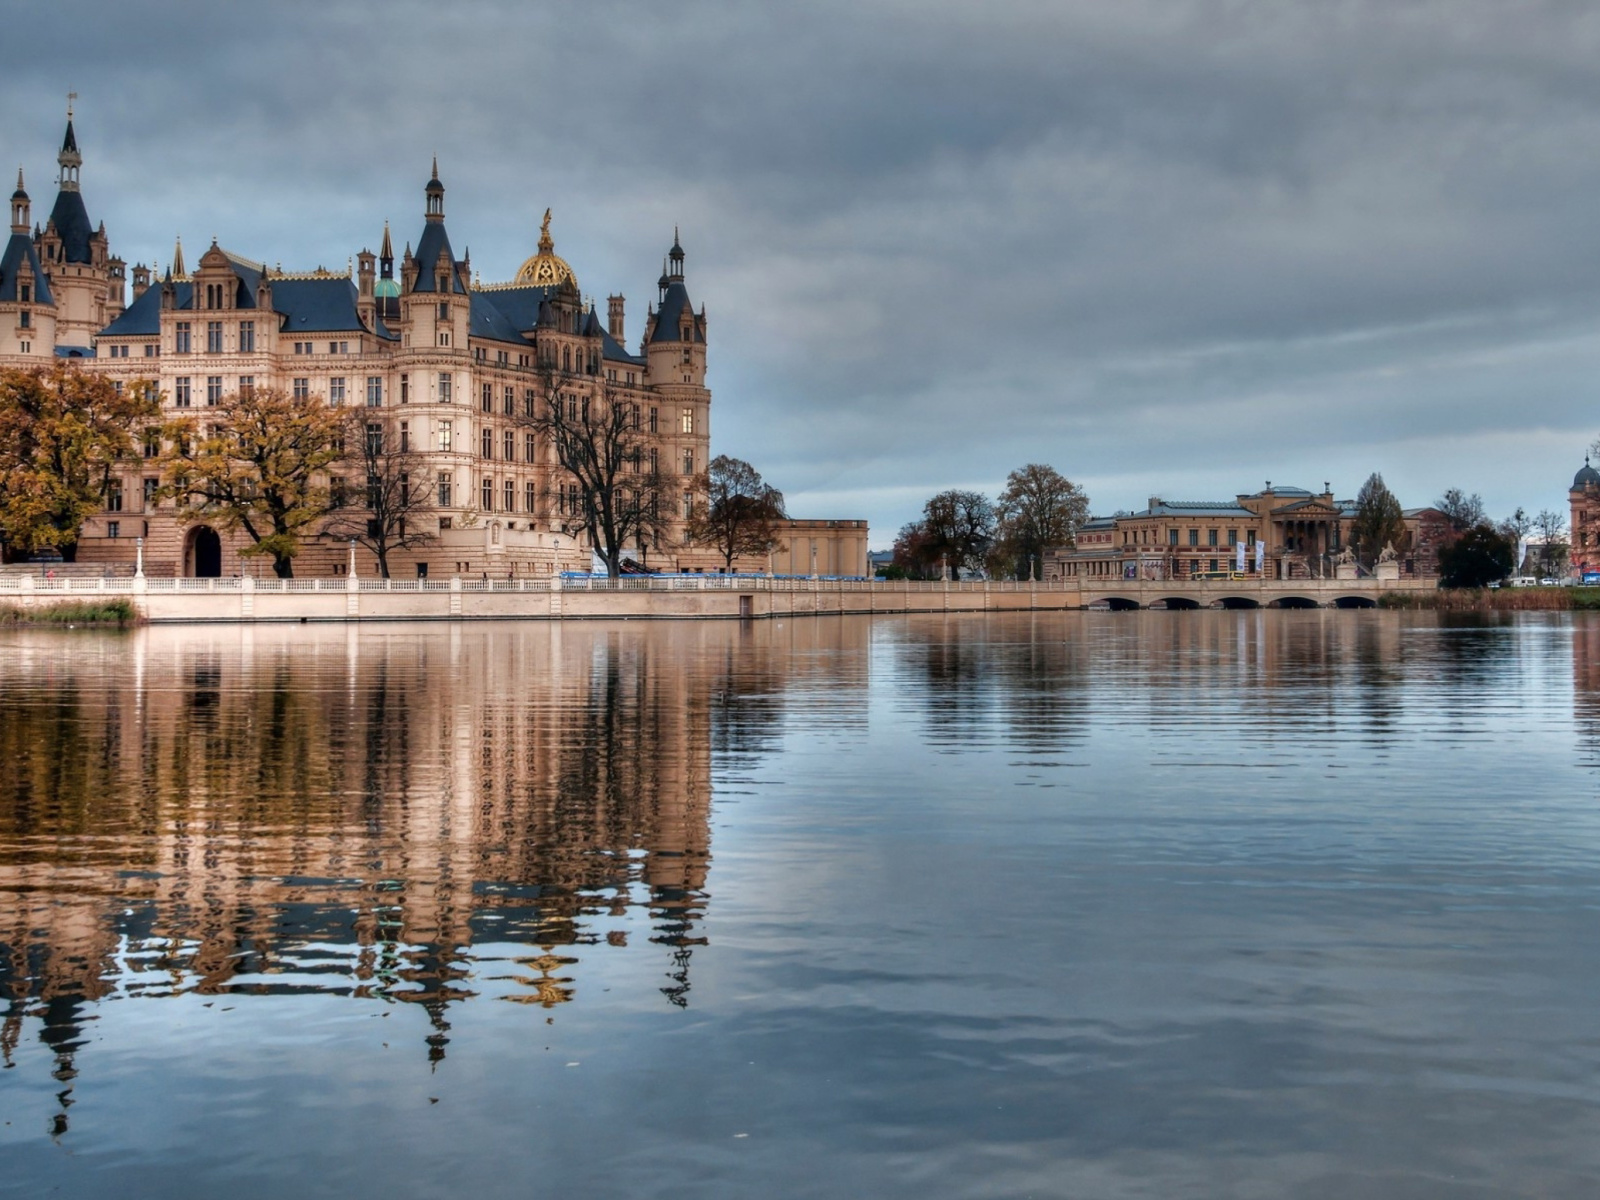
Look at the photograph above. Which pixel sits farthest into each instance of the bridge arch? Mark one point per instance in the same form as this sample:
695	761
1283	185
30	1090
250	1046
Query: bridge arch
1355	602
1294	602
1238	602
1116	603
1175	603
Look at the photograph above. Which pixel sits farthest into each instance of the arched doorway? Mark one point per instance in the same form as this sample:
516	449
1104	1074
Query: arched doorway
203	553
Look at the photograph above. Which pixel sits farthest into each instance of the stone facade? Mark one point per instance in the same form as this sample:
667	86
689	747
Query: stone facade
441	362
1584	501
1301	535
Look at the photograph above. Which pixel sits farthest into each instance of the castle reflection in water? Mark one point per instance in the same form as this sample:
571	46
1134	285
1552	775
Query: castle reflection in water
421	817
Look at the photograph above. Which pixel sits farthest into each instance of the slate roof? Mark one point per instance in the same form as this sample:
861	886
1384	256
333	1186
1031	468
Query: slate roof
433	240
614	351
19	250
71	220
674	302
142	318
74	352
1195	508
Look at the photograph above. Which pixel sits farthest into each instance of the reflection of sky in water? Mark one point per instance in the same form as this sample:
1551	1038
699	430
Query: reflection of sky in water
1119	905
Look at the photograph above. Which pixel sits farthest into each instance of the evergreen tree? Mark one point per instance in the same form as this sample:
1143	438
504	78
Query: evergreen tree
1378	521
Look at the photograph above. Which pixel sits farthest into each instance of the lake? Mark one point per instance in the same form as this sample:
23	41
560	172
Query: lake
1191	904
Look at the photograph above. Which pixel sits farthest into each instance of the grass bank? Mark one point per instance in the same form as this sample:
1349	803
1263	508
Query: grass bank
120	613
1523	599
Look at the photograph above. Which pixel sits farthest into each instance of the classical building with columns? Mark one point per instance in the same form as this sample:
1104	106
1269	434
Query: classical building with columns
442	363
1284	533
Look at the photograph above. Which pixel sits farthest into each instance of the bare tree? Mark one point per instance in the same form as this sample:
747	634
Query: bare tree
735	510
398	513
1552	530
1461	510
616	492
1516	527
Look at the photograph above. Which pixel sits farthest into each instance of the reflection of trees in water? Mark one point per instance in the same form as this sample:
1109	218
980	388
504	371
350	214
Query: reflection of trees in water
291	815
1586	684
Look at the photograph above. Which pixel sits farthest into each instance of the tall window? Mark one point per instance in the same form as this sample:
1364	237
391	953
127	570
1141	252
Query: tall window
486	443
655	460
508	402
688	462
510	489
1172	537
180	392
530	497
405	389
336	390
247	337
1211	537
508	448
152	443
528	402
687	420
374	438
405	437
653	416
180	338
1233	537
374	391
486	493
635	416
214	336
527	447
1194	537
150	486
302	387
114	498
444	492
247	385
444	435
688	505
486	397
213	390
444	387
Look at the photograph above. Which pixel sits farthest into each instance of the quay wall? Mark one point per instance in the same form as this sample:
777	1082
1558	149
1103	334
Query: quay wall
237	599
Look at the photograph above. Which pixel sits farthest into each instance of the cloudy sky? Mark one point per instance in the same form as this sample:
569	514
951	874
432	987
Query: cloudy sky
1169	247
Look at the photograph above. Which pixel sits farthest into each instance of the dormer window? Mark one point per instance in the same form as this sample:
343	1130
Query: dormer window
26	293
444	286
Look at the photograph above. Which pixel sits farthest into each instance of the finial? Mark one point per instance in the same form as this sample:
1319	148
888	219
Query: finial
71	97
177	258
20	188
436	166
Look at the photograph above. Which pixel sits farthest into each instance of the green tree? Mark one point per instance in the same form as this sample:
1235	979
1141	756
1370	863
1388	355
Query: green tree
912	557
1039	508
734	510
63	433
1378	522
260	464
1481	555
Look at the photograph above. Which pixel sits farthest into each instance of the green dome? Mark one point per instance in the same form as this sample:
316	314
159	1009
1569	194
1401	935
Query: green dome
386	289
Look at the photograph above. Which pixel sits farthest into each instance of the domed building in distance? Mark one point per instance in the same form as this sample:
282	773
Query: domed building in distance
1584	498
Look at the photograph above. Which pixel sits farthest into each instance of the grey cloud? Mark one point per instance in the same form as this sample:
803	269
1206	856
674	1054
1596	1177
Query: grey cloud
1154	243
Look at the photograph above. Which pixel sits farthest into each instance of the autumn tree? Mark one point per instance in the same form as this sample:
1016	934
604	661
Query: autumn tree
1038	509
617	493
735	510
911	558
397	510
959	527
259	462
1378	522
62	434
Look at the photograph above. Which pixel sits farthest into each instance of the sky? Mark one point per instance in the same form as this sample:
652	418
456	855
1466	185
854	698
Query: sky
1173	248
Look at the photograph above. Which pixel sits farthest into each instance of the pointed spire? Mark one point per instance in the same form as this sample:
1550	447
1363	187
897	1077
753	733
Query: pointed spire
387	249
21	191
69	159
19	207
436	166
178	271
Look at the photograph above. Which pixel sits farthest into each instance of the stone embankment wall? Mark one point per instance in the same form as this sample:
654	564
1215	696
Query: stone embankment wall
682	597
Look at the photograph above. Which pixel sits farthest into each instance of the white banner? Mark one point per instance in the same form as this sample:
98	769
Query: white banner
1261	556
1238	557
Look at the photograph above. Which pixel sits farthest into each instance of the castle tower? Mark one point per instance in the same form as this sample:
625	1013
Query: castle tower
76	257
675	343
27	305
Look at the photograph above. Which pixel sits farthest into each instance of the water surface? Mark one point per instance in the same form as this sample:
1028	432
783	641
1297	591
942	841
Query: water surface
1242	904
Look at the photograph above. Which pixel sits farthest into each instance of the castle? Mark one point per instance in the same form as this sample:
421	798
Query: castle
442	364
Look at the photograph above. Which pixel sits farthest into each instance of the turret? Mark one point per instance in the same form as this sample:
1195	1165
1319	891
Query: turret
675	337
366	282
20	207
434	191
69	159
614	318
141	279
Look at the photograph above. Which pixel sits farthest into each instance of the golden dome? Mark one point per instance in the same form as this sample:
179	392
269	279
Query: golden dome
546	268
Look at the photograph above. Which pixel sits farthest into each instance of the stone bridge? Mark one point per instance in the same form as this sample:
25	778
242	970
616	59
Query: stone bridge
1243	593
